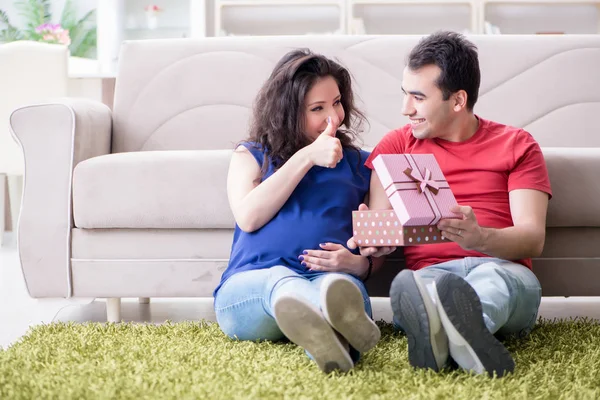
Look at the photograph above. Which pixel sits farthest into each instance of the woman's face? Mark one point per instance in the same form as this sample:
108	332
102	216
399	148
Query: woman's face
322	100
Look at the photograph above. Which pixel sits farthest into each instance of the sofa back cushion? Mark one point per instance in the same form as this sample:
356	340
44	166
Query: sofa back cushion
197	94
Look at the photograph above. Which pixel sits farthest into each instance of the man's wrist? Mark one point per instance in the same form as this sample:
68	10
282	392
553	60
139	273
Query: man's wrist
367	275
484	242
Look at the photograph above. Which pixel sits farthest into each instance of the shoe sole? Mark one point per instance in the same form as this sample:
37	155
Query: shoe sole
462	316
304	324
343	307
413	308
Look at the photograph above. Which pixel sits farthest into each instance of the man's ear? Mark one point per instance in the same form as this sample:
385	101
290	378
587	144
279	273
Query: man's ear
459	100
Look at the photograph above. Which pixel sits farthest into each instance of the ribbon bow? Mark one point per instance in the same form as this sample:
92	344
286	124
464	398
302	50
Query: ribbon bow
425	183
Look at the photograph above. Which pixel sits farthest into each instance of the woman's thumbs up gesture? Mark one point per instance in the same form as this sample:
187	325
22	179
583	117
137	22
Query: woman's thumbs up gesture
326	150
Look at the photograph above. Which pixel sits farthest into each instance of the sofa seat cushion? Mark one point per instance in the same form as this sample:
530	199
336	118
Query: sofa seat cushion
188	189
154	189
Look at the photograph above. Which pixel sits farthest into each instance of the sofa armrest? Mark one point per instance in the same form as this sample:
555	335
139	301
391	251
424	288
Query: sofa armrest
54	136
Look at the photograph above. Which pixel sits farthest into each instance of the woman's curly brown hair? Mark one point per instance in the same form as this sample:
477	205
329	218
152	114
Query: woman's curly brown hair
279	111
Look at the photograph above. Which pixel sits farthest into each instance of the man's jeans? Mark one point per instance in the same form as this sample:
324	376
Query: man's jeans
244	304
510	293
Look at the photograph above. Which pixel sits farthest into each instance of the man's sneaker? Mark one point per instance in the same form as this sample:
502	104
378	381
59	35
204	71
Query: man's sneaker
304	324
418	316
472	345
344	308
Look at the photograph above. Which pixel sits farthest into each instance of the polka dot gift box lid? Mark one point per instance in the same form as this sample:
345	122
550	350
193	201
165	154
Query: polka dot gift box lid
420	196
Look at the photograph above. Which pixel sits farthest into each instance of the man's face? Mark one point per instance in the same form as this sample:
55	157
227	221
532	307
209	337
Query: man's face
430	116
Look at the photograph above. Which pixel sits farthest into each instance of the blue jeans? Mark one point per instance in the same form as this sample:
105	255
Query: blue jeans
510	293
244	303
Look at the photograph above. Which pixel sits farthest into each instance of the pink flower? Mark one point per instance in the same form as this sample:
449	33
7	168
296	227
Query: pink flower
152	8
54	33
47	27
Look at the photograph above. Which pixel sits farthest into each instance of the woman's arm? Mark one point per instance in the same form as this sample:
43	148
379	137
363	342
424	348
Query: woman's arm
254	203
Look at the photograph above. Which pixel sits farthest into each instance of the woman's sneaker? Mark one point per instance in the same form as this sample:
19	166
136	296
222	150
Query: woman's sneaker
344	308
304	324
417	314
472	345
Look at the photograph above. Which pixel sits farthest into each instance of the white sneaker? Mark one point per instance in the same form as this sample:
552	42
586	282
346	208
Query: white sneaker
472	345
344	308
304	324
418	316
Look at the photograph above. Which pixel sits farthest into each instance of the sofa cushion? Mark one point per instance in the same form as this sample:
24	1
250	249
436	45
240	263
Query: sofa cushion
154	189
188	189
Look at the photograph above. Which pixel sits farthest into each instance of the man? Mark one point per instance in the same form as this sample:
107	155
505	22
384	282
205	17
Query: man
455	296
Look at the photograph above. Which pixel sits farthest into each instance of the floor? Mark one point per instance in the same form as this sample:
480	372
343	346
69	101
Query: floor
18	311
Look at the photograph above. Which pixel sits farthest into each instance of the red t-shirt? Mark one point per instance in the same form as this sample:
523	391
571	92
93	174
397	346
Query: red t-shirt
481	171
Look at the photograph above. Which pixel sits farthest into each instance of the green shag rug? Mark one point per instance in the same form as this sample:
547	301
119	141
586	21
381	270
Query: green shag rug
560	359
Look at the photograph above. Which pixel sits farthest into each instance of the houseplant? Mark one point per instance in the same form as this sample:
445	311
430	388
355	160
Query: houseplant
78	34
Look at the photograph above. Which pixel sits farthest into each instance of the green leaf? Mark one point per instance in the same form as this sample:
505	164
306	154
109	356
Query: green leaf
10	35
82	25
81	32
69	15
11	32
86	46
35	13
4	18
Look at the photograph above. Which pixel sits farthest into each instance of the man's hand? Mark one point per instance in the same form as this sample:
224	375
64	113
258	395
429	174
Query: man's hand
464	231
525	239
370	251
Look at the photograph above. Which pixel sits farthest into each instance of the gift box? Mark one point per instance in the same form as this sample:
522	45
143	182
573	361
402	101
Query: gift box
420	197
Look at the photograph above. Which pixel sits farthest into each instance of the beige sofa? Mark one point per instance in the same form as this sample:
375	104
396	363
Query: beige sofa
132	203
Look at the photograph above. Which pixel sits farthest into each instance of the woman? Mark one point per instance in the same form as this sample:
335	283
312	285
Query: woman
292	187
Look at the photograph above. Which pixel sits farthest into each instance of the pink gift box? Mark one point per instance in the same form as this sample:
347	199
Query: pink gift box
420	196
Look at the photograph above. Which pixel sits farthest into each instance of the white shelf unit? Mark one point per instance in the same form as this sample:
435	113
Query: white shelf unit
293	5
472	5
477	10
119	20
178	18
484	11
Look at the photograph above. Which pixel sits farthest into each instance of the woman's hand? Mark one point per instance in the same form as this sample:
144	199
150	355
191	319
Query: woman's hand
326	150
334	258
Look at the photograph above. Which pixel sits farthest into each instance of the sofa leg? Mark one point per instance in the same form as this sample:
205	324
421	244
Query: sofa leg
113	309
144	300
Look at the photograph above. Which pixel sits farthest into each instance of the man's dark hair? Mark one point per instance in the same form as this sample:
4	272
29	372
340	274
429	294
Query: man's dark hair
457	59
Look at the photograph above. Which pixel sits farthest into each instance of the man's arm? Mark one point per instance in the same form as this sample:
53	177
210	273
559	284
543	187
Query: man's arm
525	239
378	200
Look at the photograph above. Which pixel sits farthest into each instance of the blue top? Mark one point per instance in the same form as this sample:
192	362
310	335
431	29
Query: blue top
319	210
